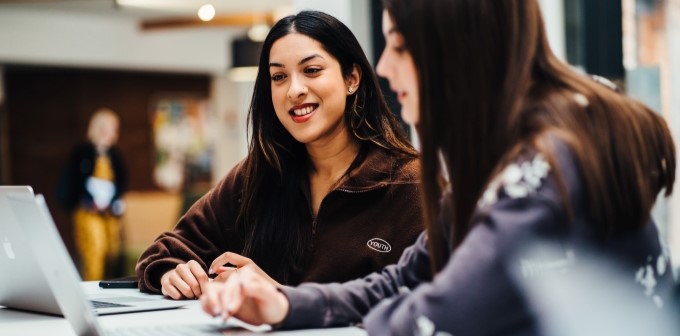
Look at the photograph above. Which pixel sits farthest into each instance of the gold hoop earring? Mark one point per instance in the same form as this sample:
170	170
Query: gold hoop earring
361	127
356	112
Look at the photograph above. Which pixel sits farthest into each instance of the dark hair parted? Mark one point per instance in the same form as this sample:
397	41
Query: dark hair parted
275	237
491	85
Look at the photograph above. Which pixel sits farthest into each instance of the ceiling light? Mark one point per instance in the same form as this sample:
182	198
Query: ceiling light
206	12
258	32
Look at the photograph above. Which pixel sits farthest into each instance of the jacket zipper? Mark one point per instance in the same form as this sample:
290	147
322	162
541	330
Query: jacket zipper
381	185
313	231
315	220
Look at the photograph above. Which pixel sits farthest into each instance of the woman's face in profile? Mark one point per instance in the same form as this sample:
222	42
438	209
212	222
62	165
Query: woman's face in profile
396	65
309	91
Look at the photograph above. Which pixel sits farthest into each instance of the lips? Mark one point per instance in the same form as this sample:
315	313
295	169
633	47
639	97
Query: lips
401	95
301	113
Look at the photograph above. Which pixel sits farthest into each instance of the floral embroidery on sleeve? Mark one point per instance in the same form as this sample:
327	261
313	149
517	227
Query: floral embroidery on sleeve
517	180
646	277
425	327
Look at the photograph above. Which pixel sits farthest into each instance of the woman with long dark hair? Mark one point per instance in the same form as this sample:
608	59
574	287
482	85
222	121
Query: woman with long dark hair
518	151
329	189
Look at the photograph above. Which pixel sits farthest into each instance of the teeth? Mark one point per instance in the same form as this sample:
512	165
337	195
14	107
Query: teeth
303	111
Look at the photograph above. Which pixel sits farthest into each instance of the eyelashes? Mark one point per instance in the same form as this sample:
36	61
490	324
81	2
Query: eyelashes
400	49
310	71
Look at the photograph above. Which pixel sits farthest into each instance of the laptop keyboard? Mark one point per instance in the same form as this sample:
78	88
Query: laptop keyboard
102	304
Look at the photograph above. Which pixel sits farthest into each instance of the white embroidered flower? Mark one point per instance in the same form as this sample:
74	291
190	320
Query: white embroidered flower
646	277
581	100
490	195
539	169
404	290
517	179
425	326
661	264
649	281
517	190
512	174
533	267
657	301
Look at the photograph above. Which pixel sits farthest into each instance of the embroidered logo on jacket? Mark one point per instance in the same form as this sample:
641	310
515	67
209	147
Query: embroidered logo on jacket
379	245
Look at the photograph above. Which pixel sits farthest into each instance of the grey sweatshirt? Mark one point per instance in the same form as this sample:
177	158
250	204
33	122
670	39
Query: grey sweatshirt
510	275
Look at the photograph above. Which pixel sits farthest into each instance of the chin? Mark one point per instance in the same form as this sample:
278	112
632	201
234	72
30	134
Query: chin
303	138
409	118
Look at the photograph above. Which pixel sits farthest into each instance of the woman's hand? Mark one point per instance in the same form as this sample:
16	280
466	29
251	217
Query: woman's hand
240	263
247	295
186	281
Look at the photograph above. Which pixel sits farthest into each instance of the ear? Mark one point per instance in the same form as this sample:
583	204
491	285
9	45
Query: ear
353	80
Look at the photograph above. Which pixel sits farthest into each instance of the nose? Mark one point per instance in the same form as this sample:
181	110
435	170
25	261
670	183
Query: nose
297	88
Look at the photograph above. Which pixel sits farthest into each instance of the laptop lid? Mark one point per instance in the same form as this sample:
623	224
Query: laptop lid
53	263
42	249
20	288
54	272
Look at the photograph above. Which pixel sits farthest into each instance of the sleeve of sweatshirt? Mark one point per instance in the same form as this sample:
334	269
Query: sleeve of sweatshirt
203	233
328	305
475	293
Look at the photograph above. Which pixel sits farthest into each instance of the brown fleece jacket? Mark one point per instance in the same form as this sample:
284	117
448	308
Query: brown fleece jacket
363	224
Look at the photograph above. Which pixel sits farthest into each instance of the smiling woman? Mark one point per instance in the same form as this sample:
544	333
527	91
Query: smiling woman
329	189
309	92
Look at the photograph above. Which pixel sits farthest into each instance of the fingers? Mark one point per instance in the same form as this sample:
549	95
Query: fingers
261	300
185	281
232	297
223	273
240	262
222	299
247	295
231	258
256	286
210	299
167	288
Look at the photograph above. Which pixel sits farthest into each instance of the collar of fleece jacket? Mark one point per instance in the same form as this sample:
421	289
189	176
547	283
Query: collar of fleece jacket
380	167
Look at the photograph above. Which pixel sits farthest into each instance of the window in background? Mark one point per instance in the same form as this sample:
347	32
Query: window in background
651	60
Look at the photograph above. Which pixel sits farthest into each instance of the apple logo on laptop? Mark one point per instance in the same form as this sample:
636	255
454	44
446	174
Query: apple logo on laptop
8	249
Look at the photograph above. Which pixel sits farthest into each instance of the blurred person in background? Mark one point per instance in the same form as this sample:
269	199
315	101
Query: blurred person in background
329	190
91	187
517	148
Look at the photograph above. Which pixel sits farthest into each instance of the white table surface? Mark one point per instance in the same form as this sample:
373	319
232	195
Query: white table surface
13	322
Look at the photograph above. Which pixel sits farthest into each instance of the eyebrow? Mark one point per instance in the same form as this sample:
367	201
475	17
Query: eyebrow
302	61
391	31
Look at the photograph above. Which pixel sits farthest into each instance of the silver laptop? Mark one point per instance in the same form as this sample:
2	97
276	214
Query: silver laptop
60	283
37	272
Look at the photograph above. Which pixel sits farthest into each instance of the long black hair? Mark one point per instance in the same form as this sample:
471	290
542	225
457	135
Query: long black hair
275	235
490	85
